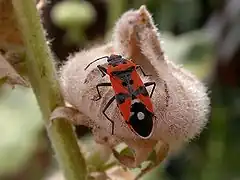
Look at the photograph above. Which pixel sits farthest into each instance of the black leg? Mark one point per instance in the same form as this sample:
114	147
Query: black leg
150	84
141	69
103	70
97	87
104	112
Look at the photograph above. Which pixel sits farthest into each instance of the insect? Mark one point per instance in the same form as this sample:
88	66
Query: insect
131	95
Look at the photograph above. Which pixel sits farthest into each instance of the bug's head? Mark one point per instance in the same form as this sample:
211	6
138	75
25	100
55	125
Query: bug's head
116	60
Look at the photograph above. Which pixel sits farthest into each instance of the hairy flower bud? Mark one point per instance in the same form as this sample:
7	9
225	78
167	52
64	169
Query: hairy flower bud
180	100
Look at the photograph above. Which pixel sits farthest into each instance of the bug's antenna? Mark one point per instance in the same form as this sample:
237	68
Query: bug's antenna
95	61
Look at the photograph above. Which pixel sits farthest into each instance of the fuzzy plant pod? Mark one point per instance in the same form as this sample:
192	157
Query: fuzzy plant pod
92	110
180	100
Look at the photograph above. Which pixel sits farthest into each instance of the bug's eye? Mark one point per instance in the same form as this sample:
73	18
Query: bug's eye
124	83
131	81
124	62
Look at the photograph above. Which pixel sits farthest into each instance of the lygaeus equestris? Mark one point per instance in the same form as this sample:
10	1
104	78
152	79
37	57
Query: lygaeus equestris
131	95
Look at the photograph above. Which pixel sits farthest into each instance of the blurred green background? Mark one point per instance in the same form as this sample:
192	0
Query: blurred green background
204	35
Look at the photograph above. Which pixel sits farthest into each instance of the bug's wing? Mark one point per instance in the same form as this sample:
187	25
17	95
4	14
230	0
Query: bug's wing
125	109
122	93
145	99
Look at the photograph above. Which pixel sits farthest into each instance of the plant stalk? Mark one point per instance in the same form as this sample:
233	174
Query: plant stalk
43	79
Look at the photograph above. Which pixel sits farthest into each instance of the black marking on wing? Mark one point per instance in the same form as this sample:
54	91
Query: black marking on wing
142	127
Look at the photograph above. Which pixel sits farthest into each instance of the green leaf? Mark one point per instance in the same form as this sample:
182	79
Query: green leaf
153	157
20	124
127	152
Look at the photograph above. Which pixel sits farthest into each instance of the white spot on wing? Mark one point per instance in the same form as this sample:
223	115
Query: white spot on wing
140	115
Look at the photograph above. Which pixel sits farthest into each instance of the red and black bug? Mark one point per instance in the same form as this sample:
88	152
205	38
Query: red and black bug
131	95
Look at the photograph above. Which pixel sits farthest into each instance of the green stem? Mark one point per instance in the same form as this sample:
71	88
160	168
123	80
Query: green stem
42	76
